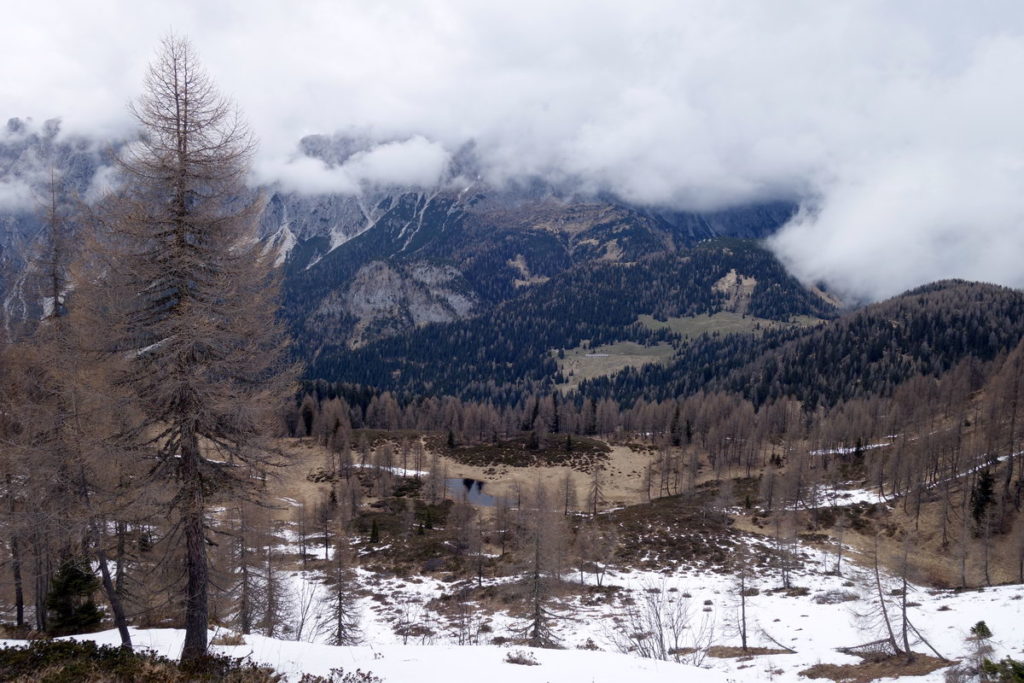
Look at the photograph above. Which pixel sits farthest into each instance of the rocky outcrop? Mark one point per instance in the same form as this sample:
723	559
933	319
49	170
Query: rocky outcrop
388	299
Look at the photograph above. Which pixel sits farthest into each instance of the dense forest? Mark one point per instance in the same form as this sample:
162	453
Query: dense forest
865	353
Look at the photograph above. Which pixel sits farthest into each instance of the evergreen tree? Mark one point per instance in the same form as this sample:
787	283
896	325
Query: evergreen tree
70	602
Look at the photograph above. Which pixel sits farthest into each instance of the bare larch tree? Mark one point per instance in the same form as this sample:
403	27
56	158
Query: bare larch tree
195	312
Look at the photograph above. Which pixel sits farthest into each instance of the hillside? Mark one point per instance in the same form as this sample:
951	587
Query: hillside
507	351
867	352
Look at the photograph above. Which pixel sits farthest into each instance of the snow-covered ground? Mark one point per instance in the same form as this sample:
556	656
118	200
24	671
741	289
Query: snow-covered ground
849	450
809	624
444	647
812	627
430	663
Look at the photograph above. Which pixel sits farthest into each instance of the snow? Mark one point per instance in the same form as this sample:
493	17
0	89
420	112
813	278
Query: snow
426	663
849	450
397	471
813	630
812	627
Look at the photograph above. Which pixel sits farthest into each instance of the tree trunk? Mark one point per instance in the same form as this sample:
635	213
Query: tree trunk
42	581
743	611
891	637
196	567
19	592
116	606
119	586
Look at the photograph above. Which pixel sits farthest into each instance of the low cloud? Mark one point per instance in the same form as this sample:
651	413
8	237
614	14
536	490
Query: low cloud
896	125
16	196
416	162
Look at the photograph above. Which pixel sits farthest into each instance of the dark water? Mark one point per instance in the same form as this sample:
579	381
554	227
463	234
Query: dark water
472	490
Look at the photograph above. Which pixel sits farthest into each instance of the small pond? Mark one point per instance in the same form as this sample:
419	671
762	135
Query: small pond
472	490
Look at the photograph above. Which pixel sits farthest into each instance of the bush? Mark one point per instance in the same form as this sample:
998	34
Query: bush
834	597
342	676
228	639
67	661
1006	669
70	602
521	657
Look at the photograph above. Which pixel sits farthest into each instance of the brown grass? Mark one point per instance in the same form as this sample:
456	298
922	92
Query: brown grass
870	670
587	363
229	639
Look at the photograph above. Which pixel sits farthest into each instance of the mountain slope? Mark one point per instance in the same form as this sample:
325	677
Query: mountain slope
509	349
867	352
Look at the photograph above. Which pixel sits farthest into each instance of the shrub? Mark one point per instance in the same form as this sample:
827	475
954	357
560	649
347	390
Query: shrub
228	639
70	602
67	661
834	597
521	657
1006	669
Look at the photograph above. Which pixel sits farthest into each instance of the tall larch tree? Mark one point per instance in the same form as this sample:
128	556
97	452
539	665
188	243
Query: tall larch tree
195	307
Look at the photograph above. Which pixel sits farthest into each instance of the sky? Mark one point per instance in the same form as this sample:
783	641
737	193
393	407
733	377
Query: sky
898	127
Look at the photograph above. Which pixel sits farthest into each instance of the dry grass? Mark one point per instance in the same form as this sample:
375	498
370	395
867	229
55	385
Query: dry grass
932	563
870	670
228	638
587	363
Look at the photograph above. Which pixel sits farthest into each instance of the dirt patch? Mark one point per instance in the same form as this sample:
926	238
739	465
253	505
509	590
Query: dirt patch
872	669
738	289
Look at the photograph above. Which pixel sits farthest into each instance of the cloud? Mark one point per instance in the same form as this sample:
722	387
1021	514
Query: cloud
416	162
895	124
16	196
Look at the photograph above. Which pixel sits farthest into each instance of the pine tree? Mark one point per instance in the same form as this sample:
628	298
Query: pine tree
70	602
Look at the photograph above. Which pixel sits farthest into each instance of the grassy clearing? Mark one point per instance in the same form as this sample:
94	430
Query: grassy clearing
723	322
583	363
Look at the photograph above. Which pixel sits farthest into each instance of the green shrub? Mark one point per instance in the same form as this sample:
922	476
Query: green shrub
68	661
70	604
1006	670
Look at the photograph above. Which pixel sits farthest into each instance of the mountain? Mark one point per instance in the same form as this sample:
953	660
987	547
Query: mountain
513	347
31	157
385	261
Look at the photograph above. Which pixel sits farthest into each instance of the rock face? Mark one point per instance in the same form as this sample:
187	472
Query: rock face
384	299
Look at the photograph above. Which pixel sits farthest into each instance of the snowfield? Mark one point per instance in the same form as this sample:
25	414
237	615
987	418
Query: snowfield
821	613
809	624
430	663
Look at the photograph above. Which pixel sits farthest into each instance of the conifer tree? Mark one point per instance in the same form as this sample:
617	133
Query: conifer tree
195	305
